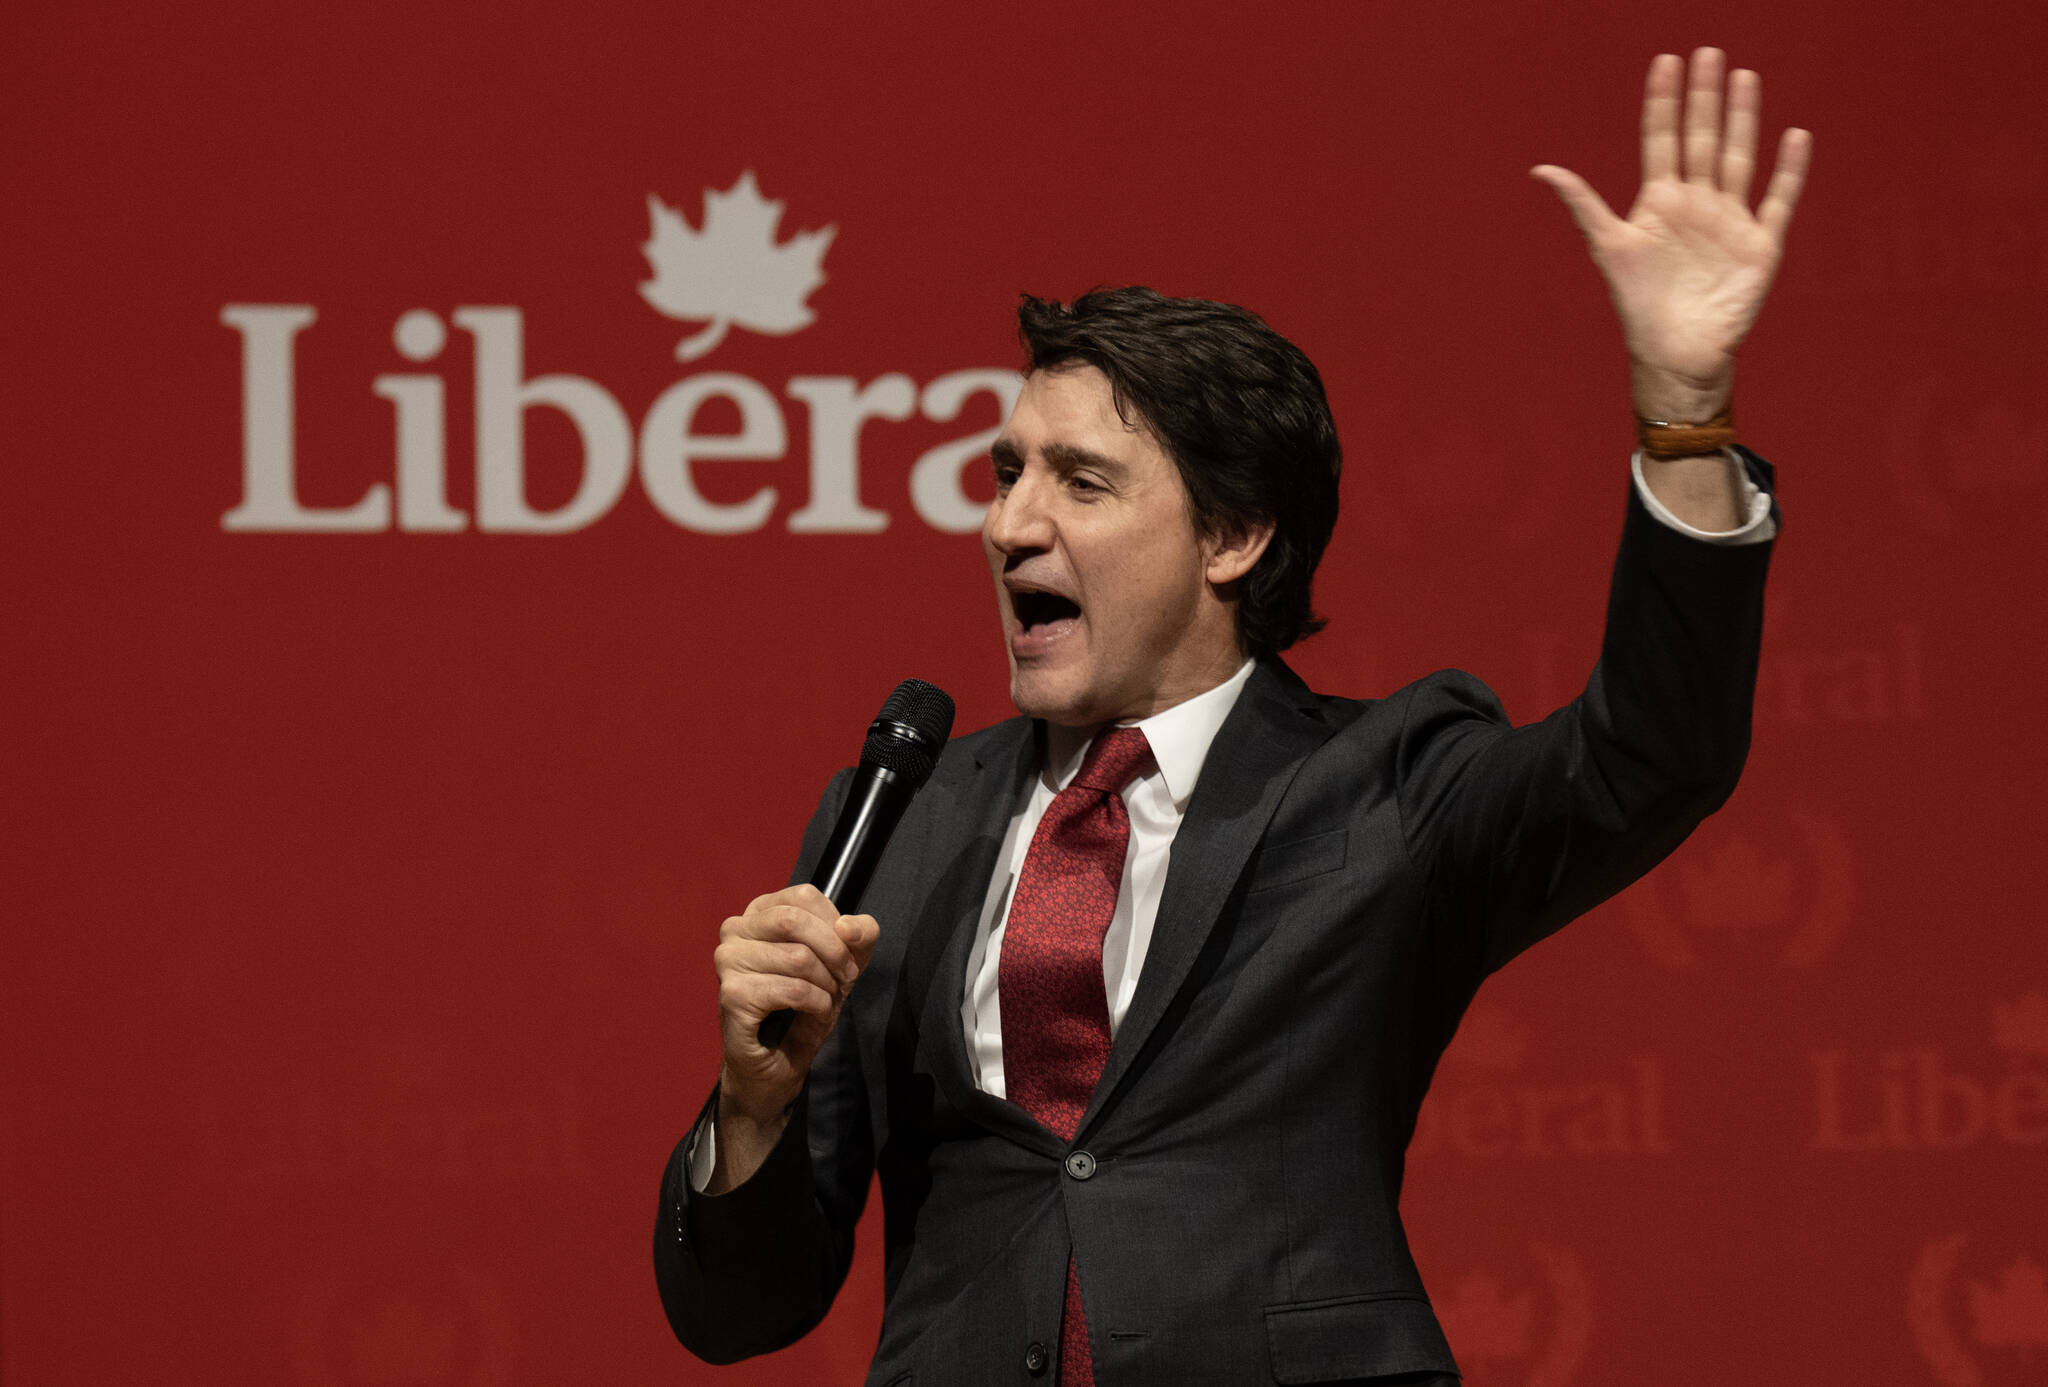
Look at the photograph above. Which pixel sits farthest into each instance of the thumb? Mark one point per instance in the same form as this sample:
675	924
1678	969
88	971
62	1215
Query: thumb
861	934
1585	205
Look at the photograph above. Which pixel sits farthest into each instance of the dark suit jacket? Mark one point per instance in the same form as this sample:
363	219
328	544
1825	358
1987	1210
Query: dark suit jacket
1346	875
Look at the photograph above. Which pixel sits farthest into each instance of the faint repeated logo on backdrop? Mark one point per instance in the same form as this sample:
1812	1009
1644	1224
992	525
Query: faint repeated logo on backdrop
1524	1325
1817	672
1839	675
733	271
1488	1103
1953	461
1978	1310
1783	888
1929	1098
1961	251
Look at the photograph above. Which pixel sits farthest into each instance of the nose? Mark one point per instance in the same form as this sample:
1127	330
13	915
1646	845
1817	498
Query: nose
1018	521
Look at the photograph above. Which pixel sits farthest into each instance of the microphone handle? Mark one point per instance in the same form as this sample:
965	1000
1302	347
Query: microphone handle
874	803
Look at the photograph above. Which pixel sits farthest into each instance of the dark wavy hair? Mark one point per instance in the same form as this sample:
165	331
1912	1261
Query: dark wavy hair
1241	411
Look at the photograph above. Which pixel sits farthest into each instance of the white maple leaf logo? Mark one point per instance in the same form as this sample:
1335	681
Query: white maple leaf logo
732	271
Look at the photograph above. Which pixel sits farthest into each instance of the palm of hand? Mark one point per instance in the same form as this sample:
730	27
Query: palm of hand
1688	271
1689	268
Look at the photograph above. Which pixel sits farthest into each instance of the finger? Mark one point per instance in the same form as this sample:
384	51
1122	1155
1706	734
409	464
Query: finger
782	958
1703	117
1795	154
748	998
1738	153
861	934
1586	206
792	923
804	897
1660	117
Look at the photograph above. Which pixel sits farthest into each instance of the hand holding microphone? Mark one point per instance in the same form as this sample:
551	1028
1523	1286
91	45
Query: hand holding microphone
791	955
788	962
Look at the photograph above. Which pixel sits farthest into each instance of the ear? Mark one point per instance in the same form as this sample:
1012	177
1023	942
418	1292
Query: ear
1232	556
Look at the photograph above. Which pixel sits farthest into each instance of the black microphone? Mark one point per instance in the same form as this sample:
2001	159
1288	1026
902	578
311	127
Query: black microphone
904	742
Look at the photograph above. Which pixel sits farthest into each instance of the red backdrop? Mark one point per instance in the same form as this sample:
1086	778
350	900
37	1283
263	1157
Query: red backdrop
360	887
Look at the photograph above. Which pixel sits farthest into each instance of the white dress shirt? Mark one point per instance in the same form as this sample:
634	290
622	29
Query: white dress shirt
1180	738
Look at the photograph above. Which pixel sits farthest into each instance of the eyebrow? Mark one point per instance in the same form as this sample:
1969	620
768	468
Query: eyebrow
1066	456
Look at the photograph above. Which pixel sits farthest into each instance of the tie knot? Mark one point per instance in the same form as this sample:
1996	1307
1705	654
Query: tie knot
1116	756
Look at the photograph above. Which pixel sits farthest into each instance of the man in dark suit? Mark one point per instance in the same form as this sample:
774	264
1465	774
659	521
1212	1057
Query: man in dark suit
1156	975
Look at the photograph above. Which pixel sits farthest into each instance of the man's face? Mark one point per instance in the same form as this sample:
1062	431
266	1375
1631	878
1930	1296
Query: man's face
1104	586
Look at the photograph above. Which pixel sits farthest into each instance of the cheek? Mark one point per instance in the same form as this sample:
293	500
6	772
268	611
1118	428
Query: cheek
1154	572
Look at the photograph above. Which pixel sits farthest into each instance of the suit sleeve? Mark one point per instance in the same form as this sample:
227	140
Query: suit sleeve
1518	830
755	1269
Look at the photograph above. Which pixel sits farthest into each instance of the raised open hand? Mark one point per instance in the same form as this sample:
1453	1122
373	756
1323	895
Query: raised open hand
1690	266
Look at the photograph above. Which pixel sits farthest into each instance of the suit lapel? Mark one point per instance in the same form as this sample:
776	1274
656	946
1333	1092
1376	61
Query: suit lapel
1273	728
964	857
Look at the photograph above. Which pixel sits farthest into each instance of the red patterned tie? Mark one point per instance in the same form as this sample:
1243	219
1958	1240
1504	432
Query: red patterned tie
1055	1013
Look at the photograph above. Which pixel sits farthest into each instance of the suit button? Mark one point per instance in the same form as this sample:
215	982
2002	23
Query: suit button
1080	1165
1035	1360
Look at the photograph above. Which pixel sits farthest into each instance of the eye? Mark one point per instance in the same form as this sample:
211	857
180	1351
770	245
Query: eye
1006	475
1084	484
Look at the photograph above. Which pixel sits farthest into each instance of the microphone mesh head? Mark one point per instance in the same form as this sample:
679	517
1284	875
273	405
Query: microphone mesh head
907	736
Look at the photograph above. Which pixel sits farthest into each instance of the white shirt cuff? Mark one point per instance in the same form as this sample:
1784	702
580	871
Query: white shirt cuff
1759	527
702	1157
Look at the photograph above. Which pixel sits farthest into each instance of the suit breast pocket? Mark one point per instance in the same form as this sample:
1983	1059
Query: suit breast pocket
1283	864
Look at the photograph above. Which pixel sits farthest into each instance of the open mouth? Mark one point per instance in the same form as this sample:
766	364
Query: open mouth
1037	612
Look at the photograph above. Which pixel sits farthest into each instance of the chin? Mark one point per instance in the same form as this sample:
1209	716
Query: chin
1041	694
